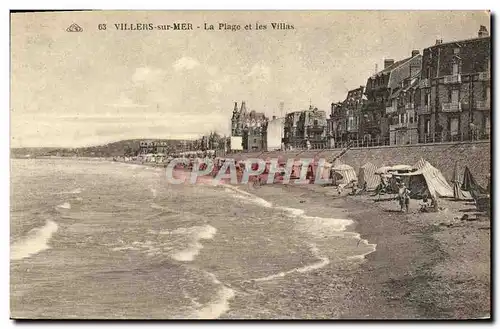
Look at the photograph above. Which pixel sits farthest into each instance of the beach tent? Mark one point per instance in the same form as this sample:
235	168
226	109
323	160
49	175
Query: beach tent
427	180
367	174
343	174
470	184
458	193
480	194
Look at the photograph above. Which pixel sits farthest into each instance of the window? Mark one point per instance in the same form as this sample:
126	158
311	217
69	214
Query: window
456	51
454	96
427	126
484	92
255	140
454	126
315	122
455	68
427	99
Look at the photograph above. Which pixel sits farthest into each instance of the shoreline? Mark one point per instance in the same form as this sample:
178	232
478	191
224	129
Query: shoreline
425	266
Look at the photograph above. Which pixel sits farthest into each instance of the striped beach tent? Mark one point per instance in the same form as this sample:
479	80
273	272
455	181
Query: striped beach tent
428	178
343	174
367	174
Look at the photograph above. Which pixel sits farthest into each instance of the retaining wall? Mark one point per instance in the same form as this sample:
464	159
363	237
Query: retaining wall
475	155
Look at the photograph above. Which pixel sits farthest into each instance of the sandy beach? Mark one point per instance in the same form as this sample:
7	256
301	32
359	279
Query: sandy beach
426	265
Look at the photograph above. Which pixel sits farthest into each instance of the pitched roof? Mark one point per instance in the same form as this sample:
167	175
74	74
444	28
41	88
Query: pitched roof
391	67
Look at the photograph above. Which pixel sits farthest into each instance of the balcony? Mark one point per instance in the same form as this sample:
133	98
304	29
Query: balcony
449	79
451	107
370	126
424	83
316	128
390	109
483	105
352	129
423	109
484	76
403	125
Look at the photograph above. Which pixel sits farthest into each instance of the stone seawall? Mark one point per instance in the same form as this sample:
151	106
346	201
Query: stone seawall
475	155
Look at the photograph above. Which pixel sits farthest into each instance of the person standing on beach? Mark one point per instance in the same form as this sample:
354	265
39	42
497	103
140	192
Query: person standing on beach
404	197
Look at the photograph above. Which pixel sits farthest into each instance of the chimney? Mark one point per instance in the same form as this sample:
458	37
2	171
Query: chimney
388	62
439	41
415	53
235	106
243	107
483	32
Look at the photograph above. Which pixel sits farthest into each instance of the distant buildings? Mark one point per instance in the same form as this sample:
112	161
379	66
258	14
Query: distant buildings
306	129
382	92
345	117
155	147
249	127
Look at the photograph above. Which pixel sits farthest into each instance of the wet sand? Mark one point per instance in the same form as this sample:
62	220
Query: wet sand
426	265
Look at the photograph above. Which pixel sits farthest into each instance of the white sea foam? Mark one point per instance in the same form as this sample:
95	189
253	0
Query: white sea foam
219	305
196	234
314	225
156	206
75	191
323	261
249	197
65	205
35	242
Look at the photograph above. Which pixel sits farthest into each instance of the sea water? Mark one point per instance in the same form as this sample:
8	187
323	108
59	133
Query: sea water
95	239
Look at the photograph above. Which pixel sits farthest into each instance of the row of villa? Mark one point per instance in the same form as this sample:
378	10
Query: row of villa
440	95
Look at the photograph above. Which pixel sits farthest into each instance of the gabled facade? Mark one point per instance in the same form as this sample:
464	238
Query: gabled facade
379	89
306	129
250	125
403	127
454	100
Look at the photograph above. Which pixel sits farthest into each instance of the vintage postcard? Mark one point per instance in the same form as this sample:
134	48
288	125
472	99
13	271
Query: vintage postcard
250	165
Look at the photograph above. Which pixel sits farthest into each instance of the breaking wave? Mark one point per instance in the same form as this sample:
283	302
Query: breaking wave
35	242
219	305
78	190
323	261
197	233
65	205
314	225
188	237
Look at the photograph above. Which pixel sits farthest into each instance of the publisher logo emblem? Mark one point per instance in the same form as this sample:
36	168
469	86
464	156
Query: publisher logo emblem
74	28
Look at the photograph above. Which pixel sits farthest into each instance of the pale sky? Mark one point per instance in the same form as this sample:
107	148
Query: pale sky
94	87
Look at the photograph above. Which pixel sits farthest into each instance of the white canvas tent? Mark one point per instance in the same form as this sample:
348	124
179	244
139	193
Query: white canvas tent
367	174
343	174
427	178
